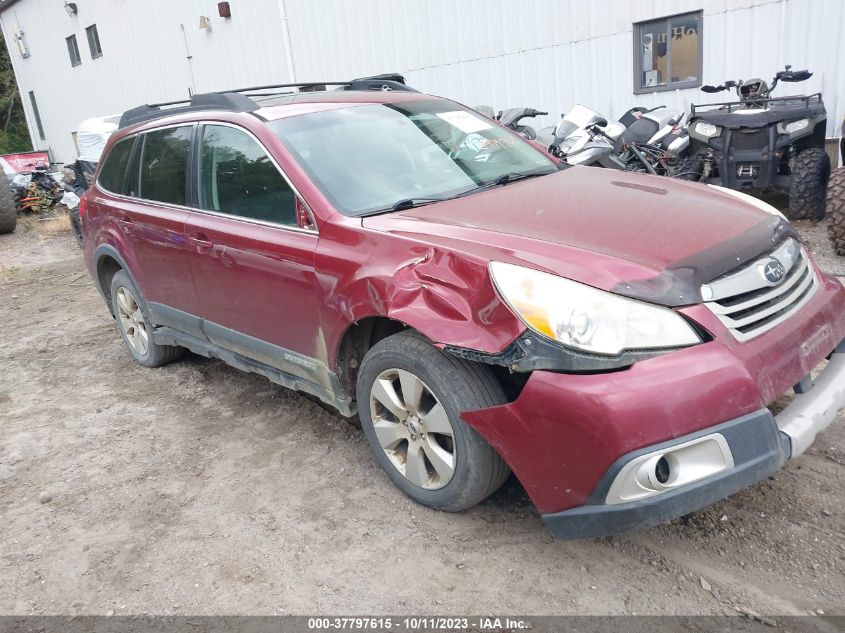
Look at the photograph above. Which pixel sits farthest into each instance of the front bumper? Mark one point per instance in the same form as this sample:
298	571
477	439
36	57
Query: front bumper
760	444
758	450
565	432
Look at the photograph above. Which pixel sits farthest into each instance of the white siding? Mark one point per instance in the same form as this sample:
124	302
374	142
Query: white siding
549	54
144	56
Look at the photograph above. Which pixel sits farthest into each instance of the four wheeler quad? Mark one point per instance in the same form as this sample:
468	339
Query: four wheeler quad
836	203
762	143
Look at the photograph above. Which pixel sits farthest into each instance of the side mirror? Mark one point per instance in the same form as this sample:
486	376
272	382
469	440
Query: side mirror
712	89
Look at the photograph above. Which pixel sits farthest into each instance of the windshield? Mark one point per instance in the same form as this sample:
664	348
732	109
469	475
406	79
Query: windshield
367	158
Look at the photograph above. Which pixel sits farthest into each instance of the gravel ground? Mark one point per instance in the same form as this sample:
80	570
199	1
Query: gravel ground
198	489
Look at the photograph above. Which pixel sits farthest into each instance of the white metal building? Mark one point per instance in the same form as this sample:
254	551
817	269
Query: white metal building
75	60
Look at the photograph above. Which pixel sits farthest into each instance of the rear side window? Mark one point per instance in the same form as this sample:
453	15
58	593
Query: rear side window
237	177
114	168
164	164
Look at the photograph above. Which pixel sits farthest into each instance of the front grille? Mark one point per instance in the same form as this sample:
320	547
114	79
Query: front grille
757	139
748	304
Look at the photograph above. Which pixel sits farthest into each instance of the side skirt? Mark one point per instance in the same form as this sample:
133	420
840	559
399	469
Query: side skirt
330	395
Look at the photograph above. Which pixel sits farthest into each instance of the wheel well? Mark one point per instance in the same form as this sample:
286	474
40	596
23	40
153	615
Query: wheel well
816	139
107	267
364	334
357	341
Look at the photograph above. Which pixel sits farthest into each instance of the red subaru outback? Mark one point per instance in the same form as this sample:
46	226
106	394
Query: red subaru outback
613	339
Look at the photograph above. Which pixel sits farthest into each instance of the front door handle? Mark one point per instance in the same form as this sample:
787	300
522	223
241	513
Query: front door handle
200	242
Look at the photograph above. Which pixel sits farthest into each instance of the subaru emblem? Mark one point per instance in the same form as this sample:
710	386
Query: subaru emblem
773	271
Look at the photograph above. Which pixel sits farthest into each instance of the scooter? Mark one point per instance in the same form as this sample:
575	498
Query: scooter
512	118
642	140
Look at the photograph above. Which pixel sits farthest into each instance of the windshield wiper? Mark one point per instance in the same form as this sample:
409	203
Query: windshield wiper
410	203
403	204
514	176
505	179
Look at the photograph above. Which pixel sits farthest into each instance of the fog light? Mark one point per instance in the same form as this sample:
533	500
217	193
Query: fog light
661	471
670	468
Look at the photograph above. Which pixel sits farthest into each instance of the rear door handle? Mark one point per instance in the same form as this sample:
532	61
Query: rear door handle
200	242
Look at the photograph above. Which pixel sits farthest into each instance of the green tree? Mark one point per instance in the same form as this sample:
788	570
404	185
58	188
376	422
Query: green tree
14	136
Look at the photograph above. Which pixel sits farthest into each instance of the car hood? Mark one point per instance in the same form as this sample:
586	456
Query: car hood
648	237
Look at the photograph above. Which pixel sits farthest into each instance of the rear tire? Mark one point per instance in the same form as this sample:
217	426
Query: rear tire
810	171
136	327
8	207
836	210
437	460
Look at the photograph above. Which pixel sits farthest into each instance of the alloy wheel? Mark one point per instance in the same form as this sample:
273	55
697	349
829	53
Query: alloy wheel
413	429
132	321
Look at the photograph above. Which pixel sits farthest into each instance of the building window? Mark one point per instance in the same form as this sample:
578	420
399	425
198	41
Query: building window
73	50
94	41
37	116
667	53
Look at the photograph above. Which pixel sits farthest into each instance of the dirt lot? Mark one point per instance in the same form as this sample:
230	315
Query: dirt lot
198	489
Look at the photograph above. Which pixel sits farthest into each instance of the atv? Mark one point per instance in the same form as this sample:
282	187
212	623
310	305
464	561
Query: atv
836	203
762	143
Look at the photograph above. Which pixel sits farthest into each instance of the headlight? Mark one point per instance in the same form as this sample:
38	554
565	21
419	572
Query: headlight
566	145
707	130
795	126
586	318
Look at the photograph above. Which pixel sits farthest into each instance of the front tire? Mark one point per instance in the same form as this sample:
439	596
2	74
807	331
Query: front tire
410	397
690	168
135	325
836	210
810	171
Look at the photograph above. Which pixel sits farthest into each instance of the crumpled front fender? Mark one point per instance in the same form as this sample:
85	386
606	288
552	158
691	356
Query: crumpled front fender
447	297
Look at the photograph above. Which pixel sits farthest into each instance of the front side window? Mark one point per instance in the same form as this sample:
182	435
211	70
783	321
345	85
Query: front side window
94	41
73	50
369	158
238	178
164	164
113	172
667	53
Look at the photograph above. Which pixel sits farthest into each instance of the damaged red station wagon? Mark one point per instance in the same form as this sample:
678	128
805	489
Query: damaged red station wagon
613	339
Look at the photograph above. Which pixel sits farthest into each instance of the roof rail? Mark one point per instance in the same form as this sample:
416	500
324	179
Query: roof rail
237	101
233	102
